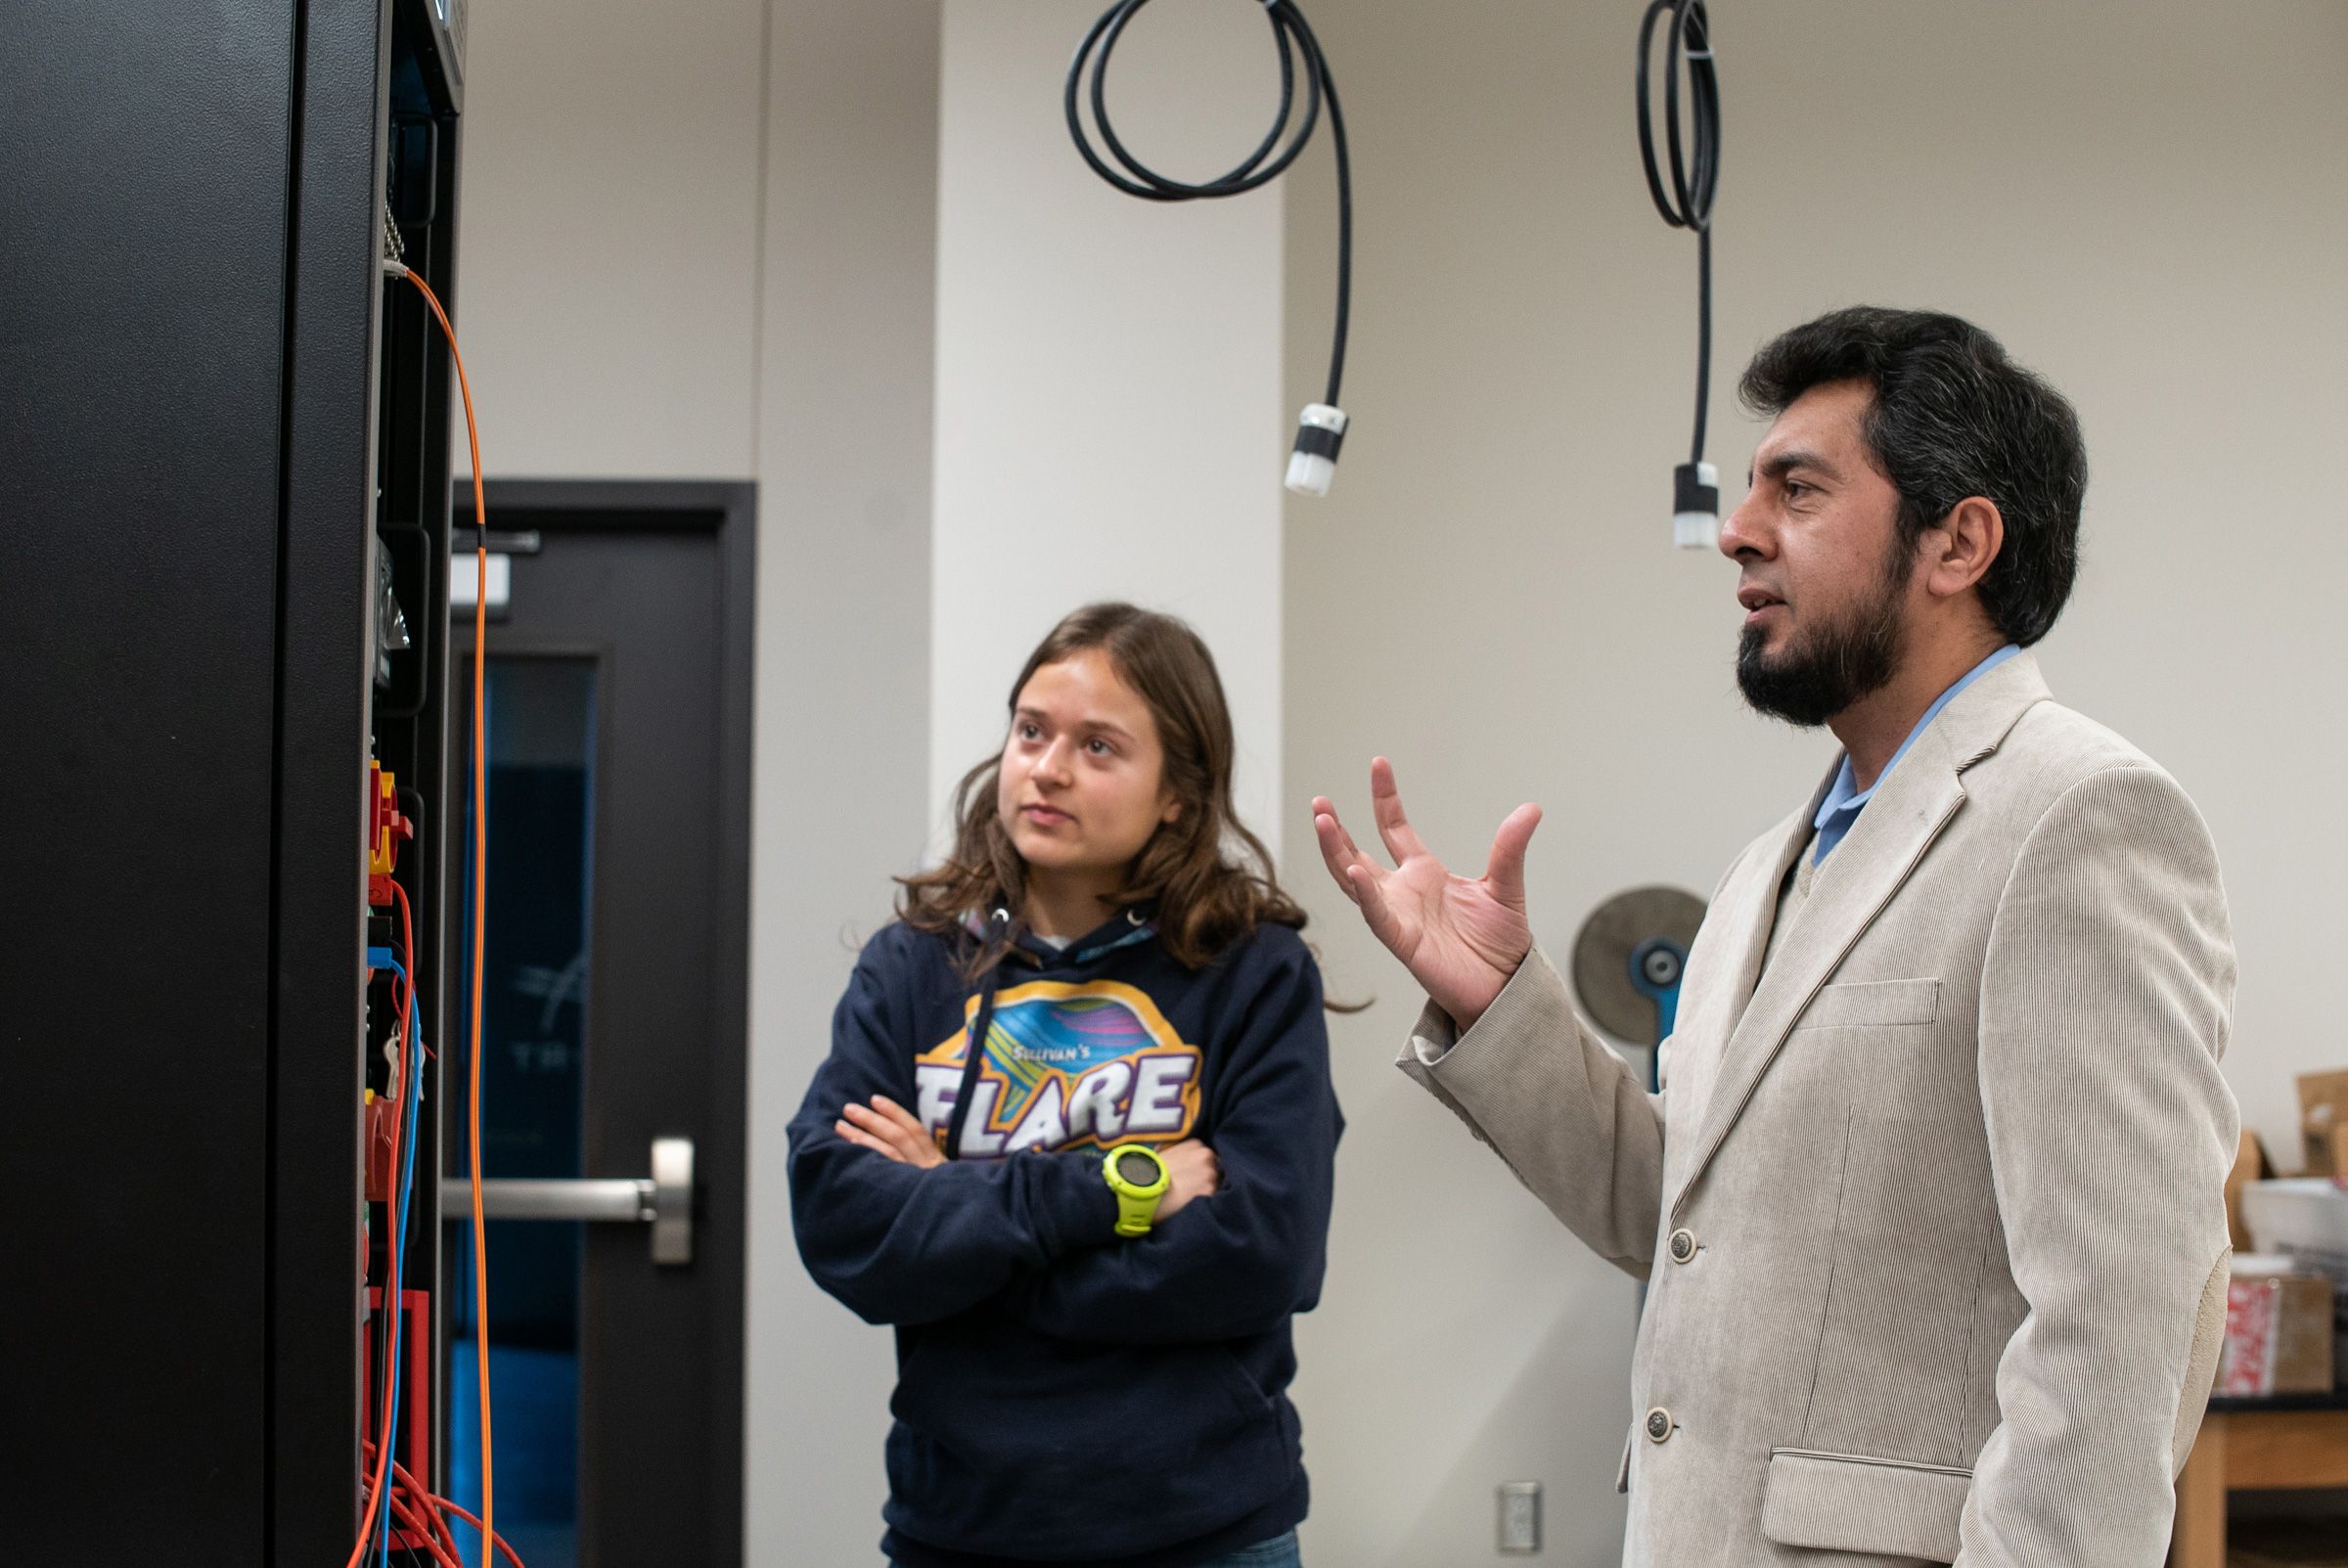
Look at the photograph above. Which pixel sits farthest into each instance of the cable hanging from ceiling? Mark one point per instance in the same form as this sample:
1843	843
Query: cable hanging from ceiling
1320	429
1687	204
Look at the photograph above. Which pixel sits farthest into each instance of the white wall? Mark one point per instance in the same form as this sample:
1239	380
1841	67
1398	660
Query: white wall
843	673
1109	418
608	249
2120	191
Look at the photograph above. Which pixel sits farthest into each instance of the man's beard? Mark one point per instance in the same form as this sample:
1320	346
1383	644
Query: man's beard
1837	664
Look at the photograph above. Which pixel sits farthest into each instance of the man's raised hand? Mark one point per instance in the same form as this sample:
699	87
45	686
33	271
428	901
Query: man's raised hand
1461	939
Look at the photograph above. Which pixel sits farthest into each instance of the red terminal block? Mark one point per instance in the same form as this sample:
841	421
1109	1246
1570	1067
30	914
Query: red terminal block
382	1122
416	1394
385	829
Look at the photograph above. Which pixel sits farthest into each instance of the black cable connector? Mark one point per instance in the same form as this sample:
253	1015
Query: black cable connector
1688	204
1320	429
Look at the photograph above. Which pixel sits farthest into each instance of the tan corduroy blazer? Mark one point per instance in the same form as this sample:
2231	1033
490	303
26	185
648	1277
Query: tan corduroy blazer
1931	1209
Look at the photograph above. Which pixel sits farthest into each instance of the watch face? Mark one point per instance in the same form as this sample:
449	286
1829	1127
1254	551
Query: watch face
1136	1168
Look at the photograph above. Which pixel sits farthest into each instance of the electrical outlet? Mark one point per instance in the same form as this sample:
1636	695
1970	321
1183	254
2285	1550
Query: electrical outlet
1519	1518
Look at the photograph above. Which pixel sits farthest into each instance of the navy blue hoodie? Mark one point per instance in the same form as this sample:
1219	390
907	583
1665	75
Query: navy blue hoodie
1064	1395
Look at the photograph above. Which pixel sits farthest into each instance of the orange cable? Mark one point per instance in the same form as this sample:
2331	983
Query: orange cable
480	852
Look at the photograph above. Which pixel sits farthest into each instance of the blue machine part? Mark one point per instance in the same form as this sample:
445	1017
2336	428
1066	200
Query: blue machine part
1657	965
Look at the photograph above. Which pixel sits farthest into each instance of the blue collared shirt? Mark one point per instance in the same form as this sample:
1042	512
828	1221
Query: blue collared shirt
1843	803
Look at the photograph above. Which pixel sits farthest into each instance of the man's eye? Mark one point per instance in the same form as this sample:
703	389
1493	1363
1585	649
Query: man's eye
1795	489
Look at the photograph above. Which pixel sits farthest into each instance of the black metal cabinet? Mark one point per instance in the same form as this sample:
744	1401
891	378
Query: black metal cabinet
210	411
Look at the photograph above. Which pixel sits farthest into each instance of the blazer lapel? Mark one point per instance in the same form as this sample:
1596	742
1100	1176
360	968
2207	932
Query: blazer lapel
1858	881
1754	897
1726	960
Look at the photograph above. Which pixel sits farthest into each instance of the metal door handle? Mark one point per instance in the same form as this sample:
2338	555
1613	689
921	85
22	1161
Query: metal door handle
663	1199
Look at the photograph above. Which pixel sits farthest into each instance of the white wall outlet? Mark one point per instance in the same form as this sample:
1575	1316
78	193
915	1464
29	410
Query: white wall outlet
1519	1518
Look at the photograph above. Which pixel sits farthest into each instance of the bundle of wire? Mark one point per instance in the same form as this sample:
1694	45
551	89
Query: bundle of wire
392	1492
1320	429
405	1087
1688	204
426	1517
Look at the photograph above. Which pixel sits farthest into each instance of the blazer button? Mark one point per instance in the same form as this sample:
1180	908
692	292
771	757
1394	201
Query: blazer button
1658	1425
1683	1245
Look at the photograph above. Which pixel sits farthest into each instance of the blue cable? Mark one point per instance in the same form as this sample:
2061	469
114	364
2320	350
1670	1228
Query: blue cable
407	1189
383	958
407	1201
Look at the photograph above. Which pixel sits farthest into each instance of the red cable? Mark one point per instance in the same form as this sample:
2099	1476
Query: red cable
417	1525
436	1504
425	1504
426	1514
398	1088
407	954
458	1509
409	1025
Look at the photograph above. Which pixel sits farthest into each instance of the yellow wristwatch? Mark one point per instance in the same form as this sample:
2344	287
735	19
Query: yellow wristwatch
1139	1179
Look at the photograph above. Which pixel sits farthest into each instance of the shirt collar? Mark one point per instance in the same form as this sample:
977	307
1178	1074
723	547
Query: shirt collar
1843	802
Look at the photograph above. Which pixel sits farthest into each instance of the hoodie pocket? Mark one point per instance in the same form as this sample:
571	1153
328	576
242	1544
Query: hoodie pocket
1892	1511
1246	1398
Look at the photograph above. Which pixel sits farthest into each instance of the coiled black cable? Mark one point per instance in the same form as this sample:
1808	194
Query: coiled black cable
1696	168
1088	74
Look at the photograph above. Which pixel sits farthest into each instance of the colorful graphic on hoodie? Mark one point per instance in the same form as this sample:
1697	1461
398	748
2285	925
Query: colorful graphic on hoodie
1066	1067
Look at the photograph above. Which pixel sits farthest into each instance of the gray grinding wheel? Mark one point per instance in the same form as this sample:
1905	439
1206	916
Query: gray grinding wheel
1601	956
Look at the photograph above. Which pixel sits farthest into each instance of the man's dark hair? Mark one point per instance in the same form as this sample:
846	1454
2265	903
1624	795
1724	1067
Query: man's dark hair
1953	418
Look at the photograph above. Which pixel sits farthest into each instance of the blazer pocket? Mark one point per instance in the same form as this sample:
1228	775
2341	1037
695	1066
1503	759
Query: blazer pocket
1852	1502
1864	1004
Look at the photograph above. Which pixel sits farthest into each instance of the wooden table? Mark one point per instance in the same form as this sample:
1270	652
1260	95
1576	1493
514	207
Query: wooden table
2290	1441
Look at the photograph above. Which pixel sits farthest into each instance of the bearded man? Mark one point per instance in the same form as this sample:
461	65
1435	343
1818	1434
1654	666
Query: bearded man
1930	1205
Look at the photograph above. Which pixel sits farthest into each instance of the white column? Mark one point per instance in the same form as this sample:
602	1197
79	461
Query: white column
1109	418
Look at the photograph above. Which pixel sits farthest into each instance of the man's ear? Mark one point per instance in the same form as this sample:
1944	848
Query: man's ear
1961	548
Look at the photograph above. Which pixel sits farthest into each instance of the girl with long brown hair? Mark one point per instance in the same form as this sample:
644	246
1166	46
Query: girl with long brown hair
1075	1139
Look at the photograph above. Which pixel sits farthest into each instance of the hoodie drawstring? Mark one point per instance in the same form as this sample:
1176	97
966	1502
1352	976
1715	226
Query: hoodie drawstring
974	1052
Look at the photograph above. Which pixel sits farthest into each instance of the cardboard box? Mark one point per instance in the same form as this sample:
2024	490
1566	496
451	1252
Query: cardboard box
2250	1164
2323	1121
2278	1336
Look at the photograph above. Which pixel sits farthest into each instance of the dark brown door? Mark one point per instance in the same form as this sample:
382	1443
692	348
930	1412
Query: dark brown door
614	1023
